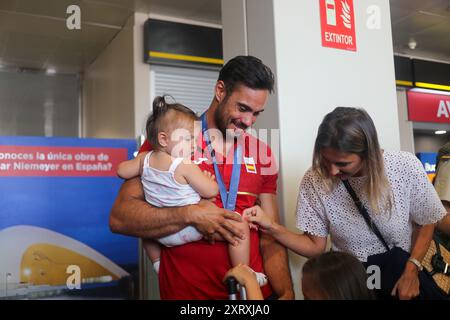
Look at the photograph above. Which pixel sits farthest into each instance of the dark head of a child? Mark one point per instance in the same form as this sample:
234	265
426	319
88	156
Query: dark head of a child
169	124
335	276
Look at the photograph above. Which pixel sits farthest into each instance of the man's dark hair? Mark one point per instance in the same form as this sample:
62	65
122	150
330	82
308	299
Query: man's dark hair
249	71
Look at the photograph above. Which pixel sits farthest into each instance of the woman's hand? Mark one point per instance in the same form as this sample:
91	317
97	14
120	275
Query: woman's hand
242	273
256	217
407	287
246	278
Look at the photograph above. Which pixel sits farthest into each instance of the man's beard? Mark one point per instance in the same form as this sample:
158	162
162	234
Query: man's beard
221	124
218	118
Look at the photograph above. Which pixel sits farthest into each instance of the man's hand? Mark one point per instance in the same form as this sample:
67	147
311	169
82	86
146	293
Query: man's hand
211	220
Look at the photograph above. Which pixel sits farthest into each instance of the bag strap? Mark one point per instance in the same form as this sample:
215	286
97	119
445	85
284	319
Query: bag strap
363	211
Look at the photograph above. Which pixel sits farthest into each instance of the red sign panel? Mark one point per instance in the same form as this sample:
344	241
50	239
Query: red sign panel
337	20
60	161
428	107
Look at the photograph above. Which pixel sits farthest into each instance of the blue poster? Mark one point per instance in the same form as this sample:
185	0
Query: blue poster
55	199
428	160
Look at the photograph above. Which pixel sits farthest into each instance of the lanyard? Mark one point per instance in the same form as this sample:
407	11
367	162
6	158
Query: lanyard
228	197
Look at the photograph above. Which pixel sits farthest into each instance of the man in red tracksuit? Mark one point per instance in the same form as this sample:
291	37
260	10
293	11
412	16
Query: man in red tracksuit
195	270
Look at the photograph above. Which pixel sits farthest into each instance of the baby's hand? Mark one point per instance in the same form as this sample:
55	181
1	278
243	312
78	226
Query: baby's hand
209	175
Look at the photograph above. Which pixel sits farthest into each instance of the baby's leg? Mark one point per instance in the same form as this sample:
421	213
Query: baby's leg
153	250
240	254
186	235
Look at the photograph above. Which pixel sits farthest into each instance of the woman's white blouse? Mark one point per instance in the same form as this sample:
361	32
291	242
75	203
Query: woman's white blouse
321	213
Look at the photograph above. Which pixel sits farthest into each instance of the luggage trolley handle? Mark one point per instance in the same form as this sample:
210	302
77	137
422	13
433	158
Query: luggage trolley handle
232	287
231	283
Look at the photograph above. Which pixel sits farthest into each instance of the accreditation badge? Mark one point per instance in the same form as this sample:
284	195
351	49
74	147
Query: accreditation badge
250	165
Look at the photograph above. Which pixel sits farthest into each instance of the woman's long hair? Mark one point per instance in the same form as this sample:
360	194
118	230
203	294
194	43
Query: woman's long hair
351	130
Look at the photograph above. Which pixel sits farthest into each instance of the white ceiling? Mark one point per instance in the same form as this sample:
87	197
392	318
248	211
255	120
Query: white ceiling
425	21
33	33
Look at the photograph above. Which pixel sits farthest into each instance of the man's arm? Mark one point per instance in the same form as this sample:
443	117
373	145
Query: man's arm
132	215
275	257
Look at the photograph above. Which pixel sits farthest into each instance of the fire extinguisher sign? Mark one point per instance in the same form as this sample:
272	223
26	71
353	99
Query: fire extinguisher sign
337	22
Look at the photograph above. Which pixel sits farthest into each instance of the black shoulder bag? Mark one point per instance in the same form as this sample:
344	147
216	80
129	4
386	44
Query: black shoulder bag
392	262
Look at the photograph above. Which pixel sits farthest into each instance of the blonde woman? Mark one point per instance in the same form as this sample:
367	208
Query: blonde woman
391	187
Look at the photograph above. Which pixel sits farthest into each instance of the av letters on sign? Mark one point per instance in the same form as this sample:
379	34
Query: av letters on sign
337	20
427	107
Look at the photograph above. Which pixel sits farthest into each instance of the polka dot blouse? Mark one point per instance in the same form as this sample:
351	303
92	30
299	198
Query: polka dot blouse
321	213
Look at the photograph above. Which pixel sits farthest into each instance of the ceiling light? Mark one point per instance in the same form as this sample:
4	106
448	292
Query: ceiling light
440	132
412	44
432	91
51	71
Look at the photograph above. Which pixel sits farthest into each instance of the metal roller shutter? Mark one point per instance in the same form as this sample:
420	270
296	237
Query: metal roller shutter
193	88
